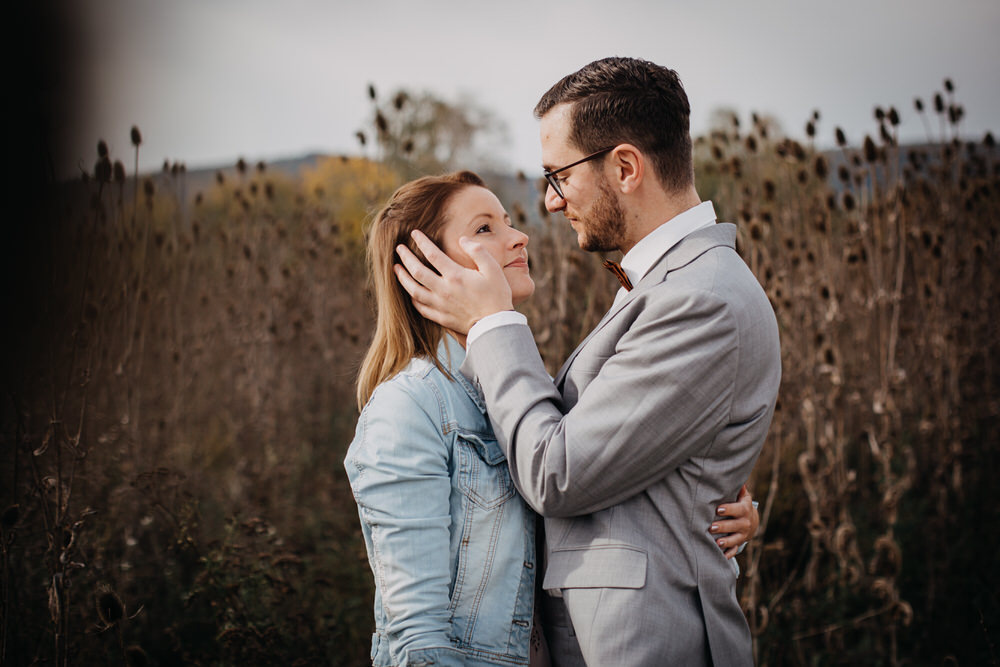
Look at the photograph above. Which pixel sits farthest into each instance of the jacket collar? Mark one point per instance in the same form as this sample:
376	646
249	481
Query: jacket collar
690	248
451	354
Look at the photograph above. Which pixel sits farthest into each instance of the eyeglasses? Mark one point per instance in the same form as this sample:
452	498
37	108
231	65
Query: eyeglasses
550	176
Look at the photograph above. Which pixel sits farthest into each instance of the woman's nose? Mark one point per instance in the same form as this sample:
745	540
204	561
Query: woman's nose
518	238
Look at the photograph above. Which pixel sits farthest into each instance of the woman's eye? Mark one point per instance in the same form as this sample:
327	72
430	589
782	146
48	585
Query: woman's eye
483	229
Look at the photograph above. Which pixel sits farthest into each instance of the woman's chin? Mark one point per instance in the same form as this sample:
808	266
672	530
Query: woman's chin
519	296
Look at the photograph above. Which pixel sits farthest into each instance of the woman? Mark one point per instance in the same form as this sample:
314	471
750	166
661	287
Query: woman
450	542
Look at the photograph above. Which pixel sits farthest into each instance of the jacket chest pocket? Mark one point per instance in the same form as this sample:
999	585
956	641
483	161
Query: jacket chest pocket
483	475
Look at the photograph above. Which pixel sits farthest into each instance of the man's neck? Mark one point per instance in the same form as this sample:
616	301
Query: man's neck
654	210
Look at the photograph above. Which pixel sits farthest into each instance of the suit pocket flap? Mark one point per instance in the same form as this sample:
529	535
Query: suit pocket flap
605	566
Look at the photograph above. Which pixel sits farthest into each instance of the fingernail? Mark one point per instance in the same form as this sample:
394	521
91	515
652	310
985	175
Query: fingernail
721	543
721	510
714	528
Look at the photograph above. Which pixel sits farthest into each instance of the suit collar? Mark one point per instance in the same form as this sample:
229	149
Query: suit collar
690	248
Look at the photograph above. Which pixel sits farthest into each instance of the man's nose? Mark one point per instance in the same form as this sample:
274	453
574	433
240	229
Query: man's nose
553	202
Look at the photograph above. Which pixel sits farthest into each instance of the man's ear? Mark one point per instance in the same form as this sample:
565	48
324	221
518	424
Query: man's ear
630	167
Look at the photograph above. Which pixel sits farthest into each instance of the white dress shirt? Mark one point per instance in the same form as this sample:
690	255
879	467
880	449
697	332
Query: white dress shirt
636	263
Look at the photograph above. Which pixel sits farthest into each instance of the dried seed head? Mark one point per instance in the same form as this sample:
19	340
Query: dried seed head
110	608
938	103
841	137
893	116
361	137
102	149
871	153
408	146
381	123
769	189
220	178
879	114
261	167
988	140
918	104
949	86
886	137
751	143
241	166
371	91
810	129
399	100
844	174
798	151
848	201
136	136
821	167
148	188
119	170
102	170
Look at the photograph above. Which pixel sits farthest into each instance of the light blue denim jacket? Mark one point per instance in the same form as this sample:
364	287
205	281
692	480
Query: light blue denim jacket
450	542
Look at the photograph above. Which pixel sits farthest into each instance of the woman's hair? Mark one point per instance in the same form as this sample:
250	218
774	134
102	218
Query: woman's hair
402	333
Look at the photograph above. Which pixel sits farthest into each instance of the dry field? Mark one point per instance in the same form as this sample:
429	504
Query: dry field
177	400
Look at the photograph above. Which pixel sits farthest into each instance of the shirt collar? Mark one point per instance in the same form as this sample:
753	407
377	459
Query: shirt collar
644	254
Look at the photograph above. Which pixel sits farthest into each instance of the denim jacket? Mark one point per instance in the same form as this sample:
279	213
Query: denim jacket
450	542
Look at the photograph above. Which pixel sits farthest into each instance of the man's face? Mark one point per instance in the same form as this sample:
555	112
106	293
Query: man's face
589	203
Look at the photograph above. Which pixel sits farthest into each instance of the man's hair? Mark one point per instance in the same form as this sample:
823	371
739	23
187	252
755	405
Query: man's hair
627	100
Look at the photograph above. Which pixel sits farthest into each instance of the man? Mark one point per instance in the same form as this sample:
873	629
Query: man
661	412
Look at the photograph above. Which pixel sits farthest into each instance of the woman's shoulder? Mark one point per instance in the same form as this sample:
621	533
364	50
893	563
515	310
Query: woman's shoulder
420	385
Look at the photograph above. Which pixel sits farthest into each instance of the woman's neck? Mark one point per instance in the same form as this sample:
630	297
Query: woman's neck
457	336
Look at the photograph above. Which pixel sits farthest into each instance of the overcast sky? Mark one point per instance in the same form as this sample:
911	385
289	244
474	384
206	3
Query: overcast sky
208	81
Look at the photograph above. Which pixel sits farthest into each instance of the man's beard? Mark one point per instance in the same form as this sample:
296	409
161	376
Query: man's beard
604	227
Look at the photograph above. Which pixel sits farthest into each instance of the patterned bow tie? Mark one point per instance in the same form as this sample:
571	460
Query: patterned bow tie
616	268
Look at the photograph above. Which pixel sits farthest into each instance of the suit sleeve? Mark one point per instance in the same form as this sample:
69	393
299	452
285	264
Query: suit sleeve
660	399
403	492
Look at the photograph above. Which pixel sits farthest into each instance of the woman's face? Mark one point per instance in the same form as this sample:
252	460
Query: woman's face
477	213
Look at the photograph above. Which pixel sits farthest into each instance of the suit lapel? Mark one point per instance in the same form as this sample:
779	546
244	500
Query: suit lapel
686	251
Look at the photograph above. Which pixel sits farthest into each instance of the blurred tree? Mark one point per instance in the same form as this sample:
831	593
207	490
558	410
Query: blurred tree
421	133
349	189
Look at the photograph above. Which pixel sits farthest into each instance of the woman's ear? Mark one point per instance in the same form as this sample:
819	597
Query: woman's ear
629	165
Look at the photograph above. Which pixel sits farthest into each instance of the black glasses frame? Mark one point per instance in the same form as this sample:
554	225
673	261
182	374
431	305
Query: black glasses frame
550	176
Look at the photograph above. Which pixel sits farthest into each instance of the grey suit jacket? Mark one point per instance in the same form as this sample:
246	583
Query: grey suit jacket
655	419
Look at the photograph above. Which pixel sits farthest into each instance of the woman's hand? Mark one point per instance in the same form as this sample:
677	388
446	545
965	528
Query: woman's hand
737	523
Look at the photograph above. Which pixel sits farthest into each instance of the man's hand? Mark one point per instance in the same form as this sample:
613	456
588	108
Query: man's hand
459	297
737	524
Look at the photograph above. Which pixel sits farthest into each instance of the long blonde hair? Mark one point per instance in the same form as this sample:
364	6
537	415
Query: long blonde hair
402	333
